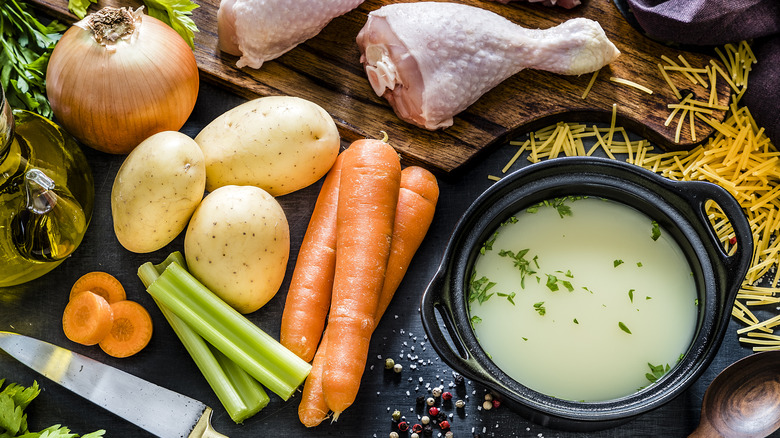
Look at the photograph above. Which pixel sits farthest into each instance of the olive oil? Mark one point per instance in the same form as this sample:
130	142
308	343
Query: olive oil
46	195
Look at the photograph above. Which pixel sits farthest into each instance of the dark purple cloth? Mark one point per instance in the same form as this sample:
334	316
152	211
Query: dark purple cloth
717	22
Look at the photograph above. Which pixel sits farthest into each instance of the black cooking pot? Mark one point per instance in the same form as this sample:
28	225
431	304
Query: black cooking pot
678	206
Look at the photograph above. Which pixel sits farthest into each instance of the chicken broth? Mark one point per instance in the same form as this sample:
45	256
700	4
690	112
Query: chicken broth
583	299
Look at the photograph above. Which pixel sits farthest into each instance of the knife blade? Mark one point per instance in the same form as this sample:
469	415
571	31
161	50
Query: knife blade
153	408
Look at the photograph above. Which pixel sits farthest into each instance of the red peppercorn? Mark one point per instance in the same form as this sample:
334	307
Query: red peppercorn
403	426
433	411
496	403
417	428
447	396
444	424
733	240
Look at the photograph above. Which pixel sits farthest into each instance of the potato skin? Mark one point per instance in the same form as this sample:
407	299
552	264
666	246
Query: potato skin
156	190
237	244
278	143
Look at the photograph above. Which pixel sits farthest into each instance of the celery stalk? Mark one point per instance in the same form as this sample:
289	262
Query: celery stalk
240	394
260	355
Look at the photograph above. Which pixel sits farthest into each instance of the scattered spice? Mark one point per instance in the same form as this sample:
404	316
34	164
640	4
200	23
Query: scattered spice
460	404
487	405
444	425
425	420
389	363
403	426
396	415
398	368
417	428
446	396
436	392
430	401
433	411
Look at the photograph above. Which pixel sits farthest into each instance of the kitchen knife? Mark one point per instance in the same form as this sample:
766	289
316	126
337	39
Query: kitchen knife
153	408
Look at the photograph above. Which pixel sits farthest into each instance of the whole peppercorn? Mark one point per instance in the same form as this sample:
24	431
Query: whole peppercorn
487	405
417	428
396	415
403	426
398	367
449	434
459	380
496	403
433	411
414	435
425	420
444	424
393	434
489	396
436	392
389	362
442	416
420	400
430	401
446	396
460	404
428	430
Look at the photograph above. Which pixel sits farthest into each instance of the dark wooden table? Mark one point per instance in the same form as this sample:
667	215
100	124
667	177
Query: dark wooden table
35	309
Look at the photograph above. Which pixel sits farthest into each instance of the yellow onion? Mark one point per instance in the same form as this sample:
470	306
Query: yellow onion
118	76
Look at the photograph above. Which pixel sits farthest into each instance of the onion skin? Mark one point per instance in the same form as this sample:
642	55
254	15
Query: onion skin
113	99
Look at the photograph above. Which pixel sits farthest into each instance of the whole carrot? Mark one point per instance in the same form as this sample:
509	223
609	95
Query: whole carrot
308	298
368	196
313	410
417	200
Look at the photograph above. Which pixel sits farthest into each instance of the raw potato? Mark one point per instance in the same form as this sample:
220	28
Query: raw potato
237	244
156	190
280	144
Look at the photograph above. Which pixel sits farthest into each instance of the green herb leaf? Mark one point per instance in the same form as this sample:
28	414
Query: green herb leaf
656	372
587	289
79	7
656	231
509	297
478	290
617	263
575	321
177	14
624	328
567	285
552	282
539	307
488	245
475	320
631	295
639	264
520	262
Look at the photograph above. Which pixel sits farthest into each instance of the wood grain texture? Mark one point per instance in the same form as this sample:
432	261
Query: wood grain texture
327	71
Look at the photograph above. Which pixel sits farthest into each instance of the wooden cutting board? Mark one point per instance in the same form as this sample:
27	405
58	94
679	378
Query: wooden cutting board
326	70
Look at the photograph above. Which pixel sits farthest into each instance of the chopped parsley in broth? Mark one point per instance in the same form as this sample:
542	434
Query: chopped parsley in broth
553	287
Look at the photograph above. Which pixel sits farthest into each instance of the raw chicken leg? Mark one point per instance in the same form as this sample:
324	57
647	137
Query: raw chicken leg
432	60
261	30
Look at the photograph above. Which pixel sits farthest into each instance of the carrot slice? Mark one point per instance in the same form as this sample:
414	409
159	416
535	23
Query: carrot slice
368	196
308	298
130	332
101	283
87	318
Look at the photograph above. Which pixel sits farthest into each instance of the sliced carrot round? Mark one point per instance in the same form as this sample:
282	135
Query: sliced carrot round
87	318
101	283
130	332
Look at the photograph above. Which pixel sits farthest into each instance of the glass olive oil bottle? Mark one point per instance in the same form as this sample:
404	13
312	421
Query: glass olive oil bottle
46	195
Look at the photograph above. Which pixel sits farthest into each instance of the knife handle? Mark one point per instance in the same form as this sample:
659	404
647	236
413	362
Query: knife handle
203	428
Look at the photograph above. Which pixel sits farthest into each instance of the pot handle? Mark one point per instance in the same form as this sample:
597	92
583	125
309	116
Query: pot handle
698	195
458	355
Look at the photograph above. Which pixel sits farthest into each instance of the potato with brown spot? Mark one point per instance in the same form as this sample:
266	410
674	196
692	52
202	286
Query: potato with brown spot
237	244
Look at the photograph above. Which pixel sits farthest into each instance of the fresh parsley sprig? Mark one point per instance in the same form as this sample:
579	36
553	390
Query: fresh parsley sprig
26	46
14	399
